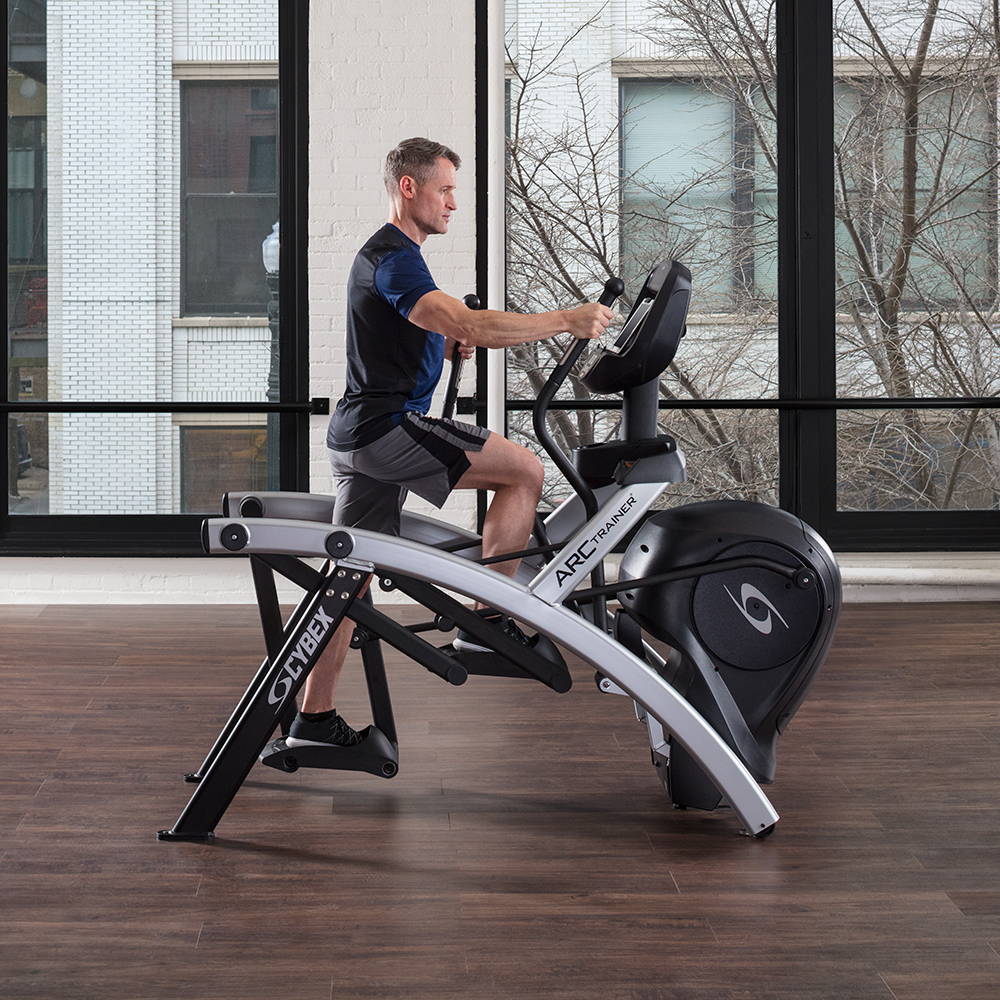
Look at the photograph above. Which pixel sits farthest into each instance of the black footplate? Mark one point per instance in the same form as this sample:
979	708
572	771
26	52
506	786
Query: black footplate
540	661
374	754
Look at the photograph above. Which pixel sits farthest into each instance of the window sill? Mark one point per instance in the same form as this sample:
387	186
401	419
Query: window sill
229	322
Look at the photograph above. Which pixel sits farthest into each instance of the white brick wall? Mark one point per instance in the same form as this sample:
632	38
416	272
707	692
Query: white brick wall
223	30
242	354
113	134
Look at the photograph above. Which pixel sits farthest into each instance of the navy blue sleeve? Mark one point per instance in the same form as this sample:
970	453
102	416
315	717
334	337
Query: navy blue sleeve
401	278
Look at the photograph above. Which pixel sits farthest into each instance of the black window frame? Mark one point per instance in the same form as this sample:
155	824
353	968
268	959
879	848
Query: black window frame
807	402
179	534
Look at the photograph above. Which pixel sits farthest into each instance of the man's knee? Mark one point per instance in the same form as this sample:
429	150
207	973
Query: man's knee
505	466
527	476
534	475
524	470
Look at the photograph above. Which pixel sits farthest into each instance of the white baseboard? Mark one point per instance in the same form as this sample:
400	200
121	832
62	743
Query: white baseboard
920	576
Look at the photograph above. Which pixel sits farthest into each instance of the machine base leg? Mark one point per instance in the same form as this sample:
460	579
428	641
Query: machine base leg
170	835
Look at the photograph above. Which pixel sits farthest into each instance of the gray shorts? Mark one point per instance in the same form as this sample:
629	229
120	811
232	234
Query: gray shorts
424	454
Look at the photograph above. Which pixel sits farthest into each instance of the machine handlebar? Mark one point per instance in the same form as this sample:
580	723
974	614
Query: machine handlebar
455	376
613	287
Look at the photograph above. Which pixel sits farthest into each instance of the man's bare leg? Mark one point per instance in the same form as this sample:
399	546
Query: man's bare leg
317	693
515	475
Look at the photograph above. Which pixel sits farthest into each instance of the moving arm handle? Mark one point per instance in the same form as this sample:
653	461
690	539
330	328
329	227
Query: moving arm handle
613	287
455	376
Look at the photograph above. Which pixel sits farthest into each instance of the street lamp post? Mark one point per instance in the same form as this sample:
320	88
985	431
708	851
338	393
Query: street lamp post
270	250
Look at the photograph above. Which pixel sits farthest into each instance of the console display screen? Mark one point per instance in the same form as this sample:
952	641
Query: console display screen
631	328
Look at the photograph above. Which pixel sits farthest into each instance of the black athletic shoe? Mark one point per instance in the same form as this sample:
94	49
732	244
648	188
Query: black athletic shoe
334	731
466	642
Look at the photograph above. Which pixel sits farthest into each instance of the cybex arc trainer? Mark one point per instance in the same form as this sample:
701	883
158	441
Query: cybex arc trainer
745	595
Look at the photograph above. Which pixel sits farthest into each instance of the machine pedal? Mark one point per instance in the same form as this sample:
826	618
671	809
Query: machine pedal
495	665
375	754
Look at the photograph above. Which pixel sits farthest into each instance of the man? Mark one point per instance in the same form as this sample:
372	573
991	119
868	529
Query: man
381	442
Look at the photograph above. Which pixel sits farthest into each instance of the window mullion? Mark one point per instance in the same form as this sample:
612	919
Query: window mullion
806	366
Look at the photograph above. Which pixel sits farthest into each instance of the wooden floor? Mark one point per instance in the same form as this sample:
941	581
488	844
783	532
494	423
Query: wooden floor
523	851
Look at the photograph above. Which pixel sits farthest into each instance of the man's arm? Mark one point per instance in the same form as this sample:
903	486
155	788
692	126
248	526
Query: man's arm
490	328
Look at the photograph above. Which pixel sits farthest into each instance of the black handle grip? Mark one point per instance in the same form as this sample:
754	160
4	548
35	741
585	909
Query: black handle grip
613	288
455	376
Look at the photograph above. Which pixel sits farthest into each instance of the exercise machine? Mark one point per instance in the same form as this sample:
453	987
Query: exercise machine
694	578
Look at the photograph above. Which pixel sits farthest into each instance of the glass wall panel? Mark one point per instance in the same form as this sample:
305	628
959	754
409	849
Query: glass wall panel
735	451
198	458
639	132
27	205
918	460
230	157
916	271
142	185
678	147
165	191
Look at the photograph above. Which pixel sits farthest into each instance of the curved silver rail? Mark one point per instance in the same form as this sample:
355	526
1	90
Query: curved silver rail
388	554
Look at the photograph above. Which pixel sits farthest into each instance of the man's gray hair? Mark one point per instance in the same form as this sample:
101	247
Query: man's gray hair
415	158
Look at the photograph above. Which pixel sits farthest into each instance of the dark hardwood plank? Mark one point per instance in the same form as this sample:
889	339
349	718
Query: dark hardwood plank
525	849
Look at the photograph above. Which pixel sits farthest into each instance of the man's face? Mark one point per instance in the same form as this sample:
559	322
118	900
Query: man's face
434	200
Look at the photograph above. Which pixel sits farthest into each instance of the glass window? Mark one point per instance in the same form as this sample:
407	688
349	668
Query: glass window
230	158
910	218
678	158
892	460
614	166
212	459
199	457
915	195
150	184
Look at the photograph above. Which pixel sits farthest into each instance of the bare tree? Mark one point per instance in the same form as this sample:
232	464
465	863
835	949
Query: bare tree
916	269
567	222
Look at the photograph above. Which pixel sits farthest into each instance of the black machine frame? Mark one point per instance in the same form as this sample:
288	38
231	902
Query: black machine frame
294	647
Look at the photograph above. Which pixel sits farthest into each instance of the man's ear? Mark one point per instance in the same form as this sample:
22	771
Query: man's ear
407	186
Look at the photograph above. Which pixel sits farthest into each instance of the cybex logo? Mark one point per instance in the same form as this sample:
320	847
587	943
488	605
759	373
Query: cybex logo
306	645
749	593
